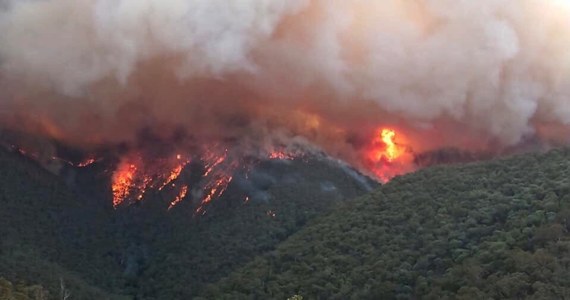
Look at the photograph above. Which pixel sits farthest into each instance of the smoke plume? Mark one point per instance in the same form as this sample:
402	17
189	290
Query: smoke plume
297	73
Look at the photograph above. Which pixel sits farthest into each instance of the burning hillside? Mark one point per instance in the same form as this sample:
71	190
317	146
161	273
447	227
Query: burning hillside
171	84
135	175
198	173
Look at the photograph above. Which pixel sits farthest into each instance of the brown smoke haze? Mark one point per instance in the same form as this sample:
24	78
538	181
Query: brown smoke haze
258	73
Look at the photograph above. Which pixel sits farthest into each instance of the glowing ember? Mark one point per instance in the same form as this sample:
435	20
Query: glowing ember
215	189
174	174
133	177
210	166
81	164
123	182
280	155
86	162
181	195
24	152
217	177
142	187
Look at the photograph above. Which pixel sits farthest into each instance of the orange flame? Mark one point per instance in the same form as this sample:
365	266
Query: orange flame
132	178
181	195
218	176
212	164
386	156
216	189
282	155
86	162
174	174
123	182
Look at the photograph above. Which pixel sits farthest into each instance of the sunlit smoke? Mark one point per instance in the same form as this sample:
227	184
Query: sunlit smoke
372	83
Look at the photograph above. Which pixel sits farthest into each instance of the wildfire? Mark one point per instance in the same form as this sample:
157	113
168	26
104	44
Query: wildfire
123	182
385	147
212	160
137	174
86	162
174	174
133	178
217	177
386	155
277	154
215	189
179	197
392	150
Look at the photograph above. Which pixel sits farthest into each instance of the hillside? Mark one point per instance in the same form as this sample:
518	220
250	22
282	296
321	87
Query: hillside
496	229
56	228
177	252
11	291
48	234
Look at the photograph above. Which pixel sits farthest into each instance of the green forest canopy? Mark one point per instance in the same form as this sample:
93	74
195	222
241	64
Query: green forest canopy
496	229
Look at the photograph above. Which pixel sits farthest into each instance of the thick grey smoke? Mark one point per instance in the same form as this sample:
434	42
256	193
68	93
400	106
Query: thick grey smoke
74	44
460	72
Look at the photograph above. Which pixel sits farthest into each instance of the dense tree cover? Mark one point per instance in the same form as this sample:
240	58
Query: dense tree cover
10	291
47	234
485	230
490	230
191	251
63	227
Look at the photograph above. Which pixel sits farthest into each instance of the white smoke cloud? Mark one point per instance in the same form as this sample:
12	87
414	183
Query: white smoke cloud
76	43
496	67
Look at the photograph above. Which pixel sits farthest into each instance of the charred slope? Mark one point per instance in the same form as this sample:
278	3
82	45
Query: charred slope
64	226
484	230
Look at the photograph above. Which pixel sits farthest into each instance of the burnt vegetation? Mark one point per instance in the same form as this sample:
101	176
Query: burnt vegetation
495	229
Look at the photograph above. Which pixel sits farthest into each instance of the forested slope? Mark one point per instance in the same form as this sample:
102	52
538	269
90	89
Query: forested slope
180	252
19	291
55	228
496	229
47	234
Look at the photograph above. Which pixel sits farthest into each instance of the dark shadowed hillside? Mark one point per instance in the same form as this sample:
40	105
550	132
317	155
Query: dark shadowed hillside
20	291
57	228
496	229
49	234
177	252
486	230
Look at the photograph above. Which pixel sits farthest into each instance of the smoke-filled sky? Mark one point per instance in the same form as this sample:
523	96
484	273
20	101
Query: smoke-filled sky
458	73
